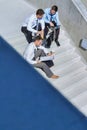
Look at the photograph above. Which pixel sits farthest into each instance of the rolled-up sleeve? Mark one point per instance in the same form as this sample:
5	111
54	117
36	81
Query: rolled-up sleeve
57	19
42	24
46	16
44	49
29	27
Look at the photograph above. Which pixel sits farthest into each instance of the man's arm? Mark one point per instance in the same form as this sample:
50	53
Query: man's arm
46	15
29	26
42	34
43	26
44	49
57	19
28	55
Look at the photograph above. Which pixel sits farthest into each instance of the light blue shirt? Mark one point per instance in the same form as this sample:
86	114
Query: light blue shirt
47	17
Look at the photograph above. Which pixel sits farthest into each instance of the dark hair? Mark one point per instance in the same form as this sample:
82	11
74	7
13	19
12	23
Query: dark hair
38	38
55	8
39	12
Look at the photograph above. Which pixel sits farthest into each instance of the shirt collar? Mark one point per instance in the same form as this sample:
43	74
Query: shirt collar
49	11
34	46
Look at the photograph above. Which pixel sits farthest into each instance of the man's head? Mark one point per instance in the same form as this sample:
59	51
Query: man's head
54	9
38	40
39	13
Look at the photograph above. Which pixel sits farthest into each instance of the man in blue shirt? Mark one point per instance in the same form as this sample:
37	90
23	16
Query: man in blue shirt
51	19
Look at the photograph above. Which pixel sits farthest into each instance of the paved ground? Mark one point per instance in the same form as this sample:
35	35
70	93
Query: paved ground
84	2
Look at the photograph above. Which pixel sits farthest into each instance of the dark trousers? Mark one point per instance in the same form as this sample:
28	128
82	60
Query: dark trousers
28	34
53	36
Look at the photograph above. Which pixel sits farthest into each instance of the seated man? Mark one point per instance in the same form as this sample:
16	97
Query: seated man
51	19
34	25
39	57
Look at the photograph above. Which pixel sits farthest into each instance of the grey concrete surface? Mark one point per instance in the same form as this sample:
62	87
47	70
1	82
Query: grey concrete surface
12	17
84	2
73	16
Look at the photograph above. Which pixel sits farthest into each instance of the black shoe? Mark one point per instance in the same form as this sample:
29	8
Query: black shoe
57	43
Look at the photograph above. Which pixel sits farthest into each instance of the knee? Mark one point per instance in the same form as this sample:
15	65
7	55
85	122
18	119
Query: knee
29	33
43	64
23	29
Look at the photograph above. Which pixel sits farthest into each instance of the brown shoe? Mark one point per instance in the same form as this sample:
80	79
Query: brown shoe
54	77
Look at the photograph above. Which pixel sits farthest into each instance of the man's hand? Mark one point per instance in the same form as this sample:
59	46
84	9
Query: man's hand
41	33
50	53
37	60
51	24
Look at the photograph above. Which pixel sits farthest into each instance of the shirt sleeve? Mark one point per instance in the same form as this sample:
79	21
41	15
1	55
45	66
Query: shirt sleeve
42	24
46	16
44	49
28	55
29	26
57	19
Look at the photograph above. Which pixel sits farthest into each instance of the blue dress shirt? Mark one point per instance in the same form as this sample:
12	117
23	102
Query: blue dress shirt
47	17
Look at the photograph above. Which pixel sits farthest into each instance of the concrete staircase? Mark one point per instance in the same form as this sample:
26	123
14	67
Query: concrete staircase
68	62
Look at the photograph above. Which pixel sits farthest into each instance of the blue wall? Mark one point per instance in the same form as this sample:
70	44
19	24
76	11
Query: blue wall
29	102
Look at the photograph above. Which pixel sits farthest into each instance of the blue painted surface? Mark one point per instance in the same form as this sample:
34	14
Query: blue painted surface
28	102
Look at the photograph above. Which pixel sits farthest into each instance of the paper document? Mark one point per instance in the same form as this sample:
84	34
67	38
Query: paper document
46	58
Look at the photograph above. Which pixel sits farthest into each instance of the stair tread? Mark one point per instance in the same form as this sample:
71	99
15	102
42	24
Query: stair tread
75	90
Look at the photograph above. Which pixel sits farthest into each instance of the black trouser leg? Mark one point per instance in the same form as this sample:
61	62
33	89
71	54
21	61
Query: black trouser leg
27	34
49	40
29	37
56	36
46	29
57	32
24	30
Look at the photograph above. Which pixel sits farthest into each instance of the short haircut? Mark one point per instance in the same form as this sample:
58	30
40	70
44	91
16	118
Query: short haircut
40	12
38	38
55	8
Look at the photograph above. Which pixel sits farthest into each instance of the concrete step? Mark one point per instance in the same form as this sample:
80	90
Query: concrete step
84	110
81	100
74	59
62	71
71	74
62	43
17	39
61	59
63	48
74	90
67	80
21	49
